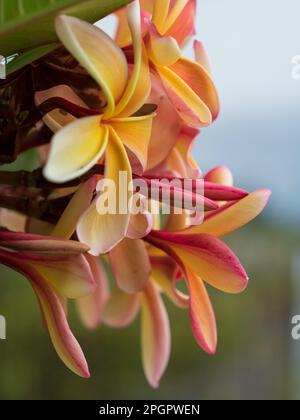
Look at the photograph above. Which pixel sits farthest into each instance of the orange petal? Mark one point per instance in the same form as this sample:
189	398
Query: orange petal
83	142
160	14
131	265
53	313
98	54
208	257
200	82
190	106
123	35
122	309
174	12
62	338
91	307
202	315
155	335
135	134
233	216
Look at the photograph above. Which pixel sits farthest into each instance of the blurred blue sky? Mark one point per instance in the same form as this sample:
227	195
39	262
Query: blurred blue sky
251	45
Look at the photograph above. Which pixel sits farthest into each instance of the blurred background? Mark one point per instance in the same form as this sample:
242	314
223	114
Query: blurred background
251	45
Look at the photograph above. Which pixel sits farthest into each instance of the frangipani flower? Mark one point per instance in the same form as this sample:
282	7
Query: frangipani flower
188	84
56	269
200	254
114	133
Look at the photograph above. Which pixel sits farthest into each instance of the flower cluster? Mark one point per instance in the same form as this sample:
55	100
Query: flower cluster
132	105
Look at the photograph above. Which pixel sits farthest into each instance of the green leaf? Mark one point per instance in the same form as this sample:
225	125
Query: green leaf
28	57
28	24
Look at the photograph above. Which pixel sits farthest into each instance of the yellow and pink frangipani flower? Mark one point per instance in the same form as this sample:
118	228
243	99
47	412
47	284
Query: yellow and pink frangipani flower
56	270
195	253
116	133
187	83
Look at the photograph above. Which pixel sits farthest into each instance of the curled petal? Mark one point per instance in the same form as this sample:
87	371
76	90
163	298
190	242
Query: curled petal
121	309
83	142
155	335
98	54
163	51
123	35
208	257
131	265
62	338
91	307
200	82
191	108
233	216
202	315
139	85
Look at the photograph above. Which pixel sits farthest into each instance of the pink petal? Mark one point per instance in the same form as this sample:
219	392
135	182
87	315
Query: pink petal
155	335
202	315
91	307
